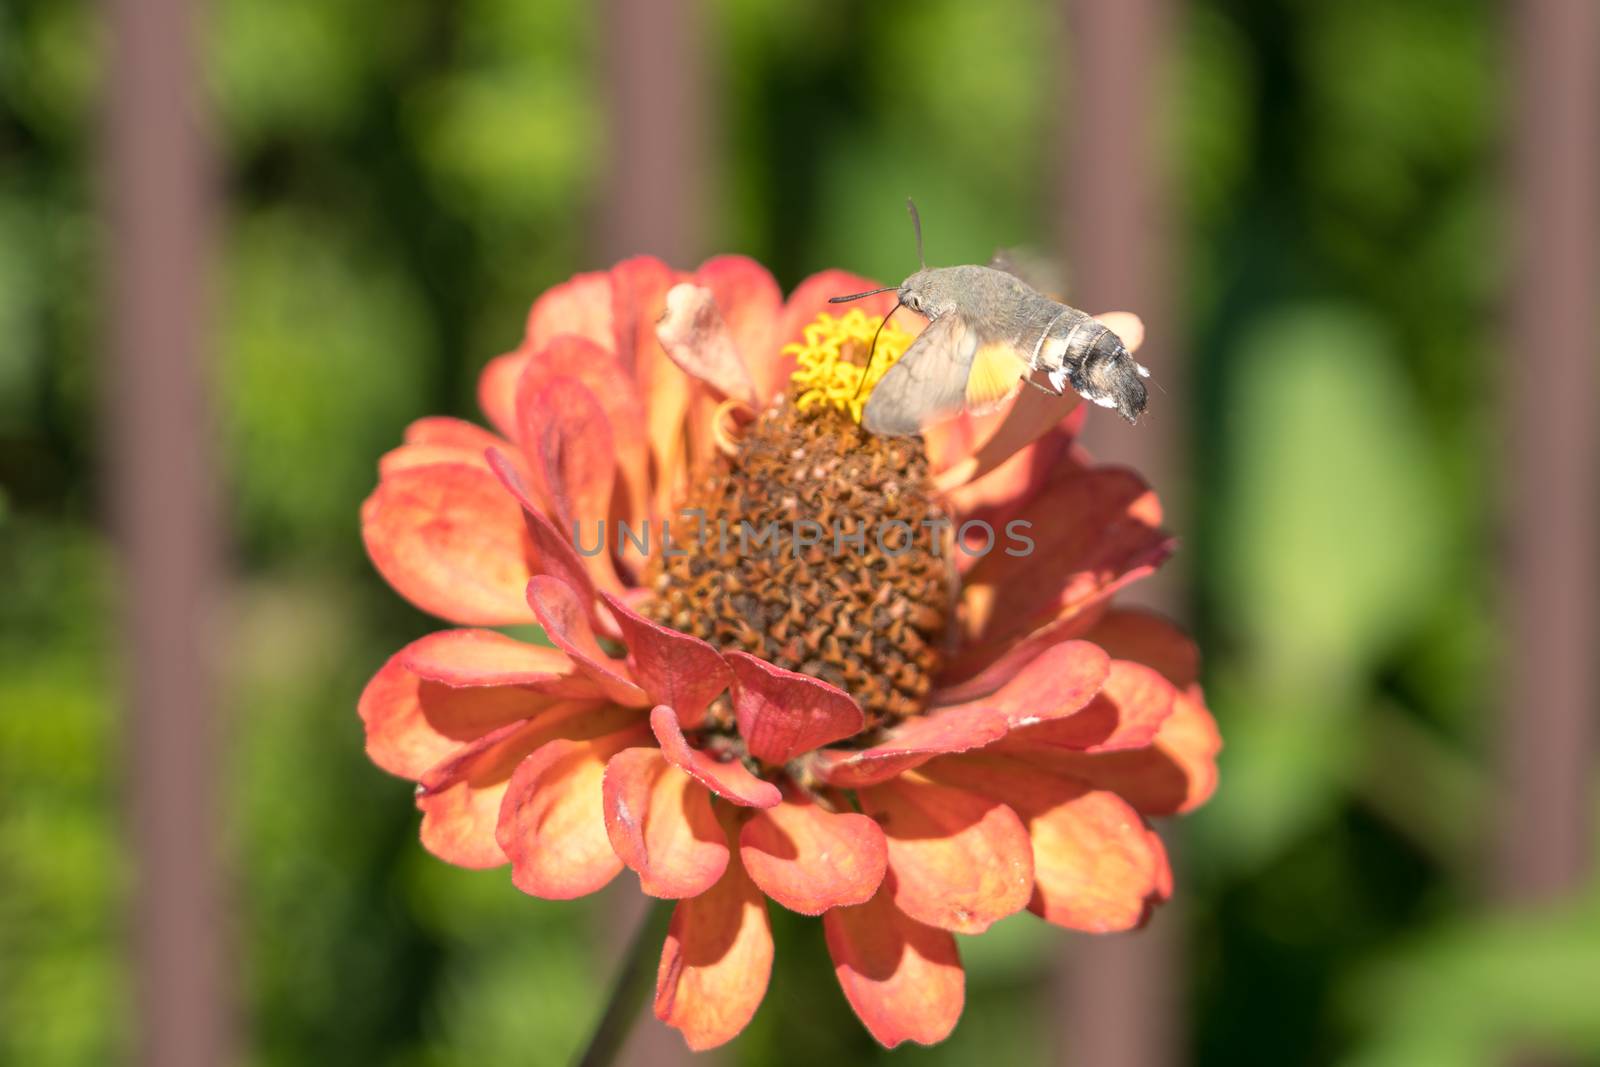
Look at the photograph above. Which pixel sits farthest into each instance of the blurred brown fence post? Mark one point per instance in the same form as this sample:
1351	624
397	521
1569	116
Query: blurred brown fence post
163	497
659	119
1551	493
1121	995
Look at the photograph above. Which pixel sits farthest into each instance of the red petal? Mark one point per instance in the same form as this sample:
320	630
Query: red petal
561	613
730	780
1125	714
1147	638
674	668
716	961
567	439
460	798
1094	862
450	540
552	554
913	742
810	859
958	861
661	824
995	495
903	978
1055	684
473	658
552	823
782	714
412	724
612	385
695	338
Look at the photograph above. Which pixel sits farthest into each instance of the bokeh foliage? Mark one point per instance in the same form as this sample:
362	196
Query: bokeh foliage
403	178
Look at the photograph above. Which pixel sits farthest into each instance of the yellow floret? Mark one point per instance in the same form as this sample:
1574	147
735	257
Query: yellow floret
830	370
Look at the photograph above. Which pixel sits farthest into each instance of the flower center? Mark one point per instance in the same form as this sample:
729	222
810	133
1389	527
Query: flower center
822	548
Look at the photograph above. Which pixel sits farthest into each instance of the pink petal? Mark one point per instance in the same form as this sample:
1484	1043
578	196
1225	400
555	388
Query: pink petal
958	860
716	962
450	540
661	825
567	439
810	859
729	779
911	743
438	439
1055	684
673	668
552	554
782	714
551	821
902	977
562	615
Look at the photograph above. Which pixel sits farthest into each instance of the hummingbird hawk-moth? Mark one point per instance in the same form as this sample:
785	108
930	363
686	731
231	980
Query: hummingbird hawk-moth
988	333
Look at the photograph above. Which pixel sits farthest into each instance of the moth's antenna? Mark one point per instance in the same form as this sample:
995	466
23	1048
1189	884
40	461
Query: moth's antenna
858	296
916	226
872	350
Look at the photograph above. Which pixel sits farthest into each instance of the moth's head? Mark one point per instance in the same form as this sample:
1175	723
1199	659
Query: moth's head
1109	377
926	291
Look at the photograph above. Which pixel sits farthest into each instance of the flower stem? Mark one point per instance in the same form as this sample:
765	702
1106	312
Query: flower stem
628	991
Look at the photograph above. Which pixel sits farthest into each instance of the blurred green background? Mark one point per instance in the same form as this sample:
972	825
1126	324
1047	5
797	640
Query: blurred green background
402	179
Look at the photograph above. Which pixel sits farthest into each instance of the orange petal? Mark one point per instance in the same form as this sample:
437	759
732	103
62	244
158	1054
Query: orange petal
716	961
661	824
560	612
567	439
612	385
474	658
639	289
1145	637
438	439
782	714
581	306
551	553
729	778
902	977
1055	684
551	823
913	742
673	668
1126	713
1094	861
412	724
810	859
1094	531
697	339
449	539
958	861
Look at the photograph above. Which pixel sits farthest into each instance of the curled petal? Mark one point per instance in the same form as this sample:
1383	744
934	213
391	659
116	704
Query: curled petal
782	714
810	859
551	822
716	961
673	668
730	779
560	612
449	539
697	339
567	439
749	300
460	797
958	860
1096	865
913	742
551	553
1126	713
613	387
902	977
661	825
413	723
1054	685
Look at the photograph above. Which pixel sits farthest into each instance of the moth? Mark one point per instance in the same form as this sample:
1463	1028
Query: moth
988	332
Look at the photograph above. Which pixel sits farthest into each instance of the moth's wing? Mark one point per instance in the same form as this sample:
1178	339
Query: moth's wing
928	384
1038	272
997	373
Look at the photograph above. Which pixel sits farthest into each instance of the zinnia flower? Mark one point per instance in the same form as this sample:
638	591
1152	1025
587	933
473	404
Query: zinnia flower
908	734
